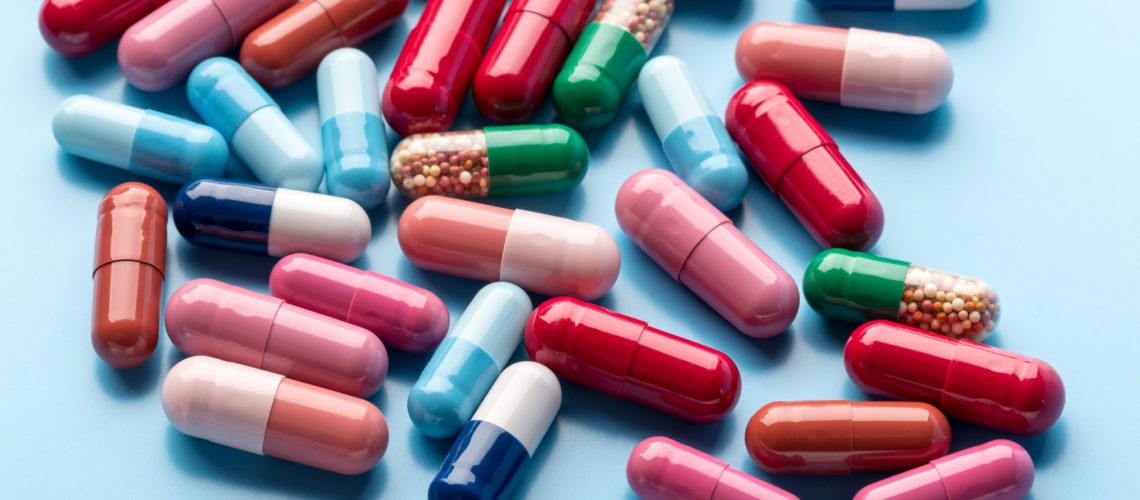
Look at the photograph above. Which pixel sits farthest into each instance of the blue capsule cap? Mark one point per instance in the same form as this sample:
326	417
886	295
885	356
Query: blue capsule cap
224	94
854	4
485	462
226	214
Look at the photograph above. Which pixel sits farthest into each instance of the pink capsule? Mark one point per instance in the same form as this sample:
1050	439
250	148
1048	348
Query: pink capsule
662	469
997	470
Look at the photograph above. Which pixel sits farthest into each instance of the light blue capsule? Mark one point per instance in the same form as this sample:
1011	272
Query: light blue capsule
466	364
355	145
694	138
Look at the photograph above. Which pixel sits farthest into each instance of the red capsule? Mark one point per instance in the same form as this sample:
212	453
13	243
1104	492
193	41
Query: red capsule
969	381
77	28
627	359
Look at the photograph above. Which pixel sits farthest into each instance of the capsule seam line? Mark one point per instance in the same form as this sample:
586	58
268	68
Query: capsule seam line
552	21
280	382
109	262
339	28
234	38
632	357
272	325
689	255
712	494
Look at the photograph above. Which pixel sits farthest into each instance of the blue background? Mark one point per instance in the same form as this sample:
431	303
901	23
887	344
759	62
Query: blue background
1027	178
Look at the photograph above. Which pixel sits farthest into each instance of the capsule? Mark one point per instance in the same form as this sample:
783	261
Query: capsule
130	262
144	142
437	63
465	366
626	358
491	452
541	253
260	134
292	44
972	382
404	316
160	50
698	246
851	67
844	437
893	4
211	318
524	57
998	470
694	138
355	141
496	161
662	469
267	414
604	63
77	28
276	222
857	287
803	167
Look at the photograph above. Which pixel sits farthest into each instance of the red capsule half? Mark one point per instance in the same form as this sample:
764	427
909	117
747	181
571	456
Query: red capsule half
77	28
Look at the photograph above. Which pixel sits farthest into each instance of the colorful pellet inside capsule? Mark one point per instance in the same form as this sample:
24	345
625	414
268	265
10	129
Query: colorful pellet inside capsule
604	63
495	161
353	135
855	286
892	4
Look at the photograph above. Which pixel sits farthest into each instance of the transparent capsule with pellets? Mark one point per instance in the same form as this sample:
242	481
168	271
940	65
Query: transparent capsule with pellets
352	133
660	468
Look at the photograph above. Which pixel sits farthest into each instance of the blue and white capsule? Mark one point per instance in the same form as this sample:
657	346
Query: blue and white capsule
228	99
694	138
353	135
466	364
270	221
141	141
892	4
489	456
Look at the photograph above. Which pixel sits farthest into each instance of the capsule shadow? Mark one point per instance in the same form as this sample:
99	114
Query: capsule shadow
720	11
1045	448
526	487
237	268
406	366
762	211
99	178
900	130
71	75
130	383
428	452
172	101
814	486
823	334
451	289
964	23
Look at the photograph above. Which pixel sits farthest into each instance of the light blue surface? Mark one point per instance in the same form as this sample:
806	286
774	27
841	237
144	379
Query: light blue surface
1026	178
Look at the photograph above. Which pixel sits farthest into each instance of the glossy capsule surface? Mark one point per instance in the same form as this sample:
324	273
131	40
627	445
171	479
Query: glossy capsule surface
130	264
998	470
892	4
844	437
465	366
855	286
966	380
76	28
496	161
692	135
143	142
852	67
625	358
541	253
254	218
603	65
404	316
660	468
267	414
526	54
802	165
292	44
260	135
699	247
211	318
353	135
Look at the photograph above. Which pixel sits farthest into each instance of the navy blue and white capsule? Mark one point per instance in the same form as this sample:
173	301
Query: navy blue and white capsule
144	142
492	451
259	219
892	4
228	99
467	362
353	135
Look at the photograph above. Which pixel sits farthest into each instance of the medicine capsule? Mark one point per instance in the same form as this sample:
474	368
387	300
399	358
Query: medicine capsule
403	315
76	28
496	161
267	414
694	138
626	358
998	470
437	63
972	382
130	261
855	286
803	167
157	52
260	134
492	450
844	437
660	468
893	4
292	44
143	142
541	253
276	222
524	57
354	138
851	67
466	365
698	246
211	318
